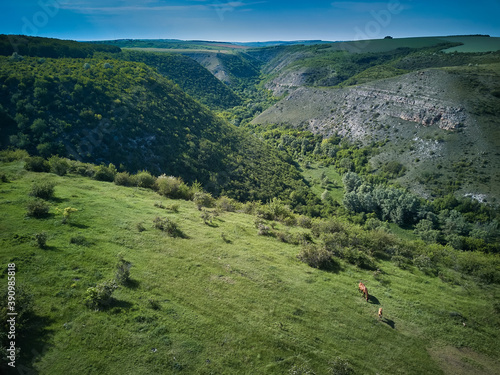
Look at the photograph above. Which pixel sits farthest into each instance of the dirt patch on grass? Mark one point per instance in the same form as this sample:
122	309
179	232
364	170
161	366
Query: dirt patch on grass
464	361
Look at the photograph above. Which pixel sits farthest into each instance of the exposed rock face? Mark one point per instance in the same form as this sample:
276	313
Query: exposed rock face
355	111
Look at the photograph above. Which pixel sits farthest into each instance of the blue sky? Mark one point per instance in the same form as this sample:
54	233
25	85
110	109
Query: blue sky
247	20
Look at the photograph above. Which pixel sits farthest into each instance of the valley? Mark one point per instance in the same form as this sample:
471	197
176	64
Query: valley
210	208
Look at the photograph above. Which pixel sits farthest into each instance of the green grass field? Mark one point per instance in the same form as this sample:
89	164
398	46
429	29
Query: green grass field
221	299
334	186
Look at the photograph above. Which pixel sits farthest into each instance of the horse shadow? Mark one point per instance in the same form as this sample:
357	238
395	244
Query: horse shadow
389	322
374	300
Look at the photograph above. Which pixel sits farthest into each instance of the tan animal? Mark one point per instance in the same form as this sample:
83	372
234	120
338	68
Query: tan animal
363	289
380	313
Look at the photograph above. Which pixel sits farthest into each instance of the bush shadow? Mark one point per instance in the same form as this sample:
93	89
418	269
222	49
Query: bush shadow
132	284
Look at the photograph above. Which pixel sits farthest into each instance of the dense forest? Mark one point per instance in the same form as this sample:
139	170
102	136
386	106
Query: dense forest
192	78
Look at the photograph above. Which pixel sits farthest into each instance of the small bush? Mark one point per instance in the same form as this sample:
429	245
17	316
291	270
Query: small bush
3	177
42	189
105	173
79	240
317	257
124	179
168	226
40	239
226	204
174	207
37	208
59	166
13	155
303	238
122	271
99	297
358	258
37	164
145	180
304	221
207	217
174	187
290	221
140	227
82	169
286	237
67	212
340	366
202	199
264	230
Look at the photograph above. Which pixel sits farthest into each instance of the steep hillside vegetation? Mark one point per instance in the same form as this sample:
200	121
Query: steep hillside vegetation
112	274
192	78
125	113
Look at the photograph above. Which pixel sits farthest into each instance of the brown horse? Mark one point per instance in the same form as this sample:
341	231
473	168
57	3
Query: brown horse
362	288
380	314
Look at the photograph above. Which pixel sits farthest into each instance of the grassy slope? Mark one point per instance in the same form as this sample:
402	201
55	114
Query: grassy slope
246	307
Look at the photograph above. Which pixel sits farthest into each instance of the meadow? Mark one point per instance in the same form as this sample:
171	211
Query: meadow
220	298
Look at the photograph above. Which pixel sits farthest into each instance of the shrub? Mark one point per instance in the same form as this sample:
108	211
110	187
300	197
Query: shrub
340	366
317	257
290	221
226	204
37	164
304	221
326	226
207	217
122	270
13	155
285	237
168	226
103	173
37	208
42	189
278	210
145	180
67	212
82	169
174	187
264	230
174	207
202	199
99	297
124	179
58	165
79	240
3	177
140	227
40	239
358	258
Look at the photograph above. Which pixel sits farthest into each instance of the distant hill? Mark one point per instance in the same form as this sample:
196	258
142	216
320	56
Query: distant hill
49	47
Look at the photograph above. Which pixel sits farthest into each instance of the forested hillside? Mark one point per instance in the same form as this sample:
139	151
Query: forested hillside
112	111
192	78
